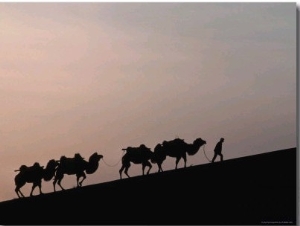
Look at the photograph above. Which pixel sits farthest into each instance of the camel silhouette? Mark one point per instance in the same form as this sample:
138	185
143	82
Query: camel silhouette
76	166
34	174
136	155
176	148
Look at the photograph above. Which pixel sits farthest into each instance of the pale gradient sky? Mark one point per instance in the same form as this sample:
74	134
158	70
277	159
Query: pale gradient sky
86	77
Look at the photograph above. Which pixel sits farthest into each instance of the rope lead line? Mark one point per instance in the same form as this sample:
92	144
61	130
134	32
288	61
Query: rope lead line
114	164
124	153
205	153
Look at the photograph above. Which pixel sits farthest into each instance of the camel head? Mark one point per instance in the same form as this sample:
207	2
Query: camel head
199	142
50	169
196	146
93	163
52	164
100	157
96	157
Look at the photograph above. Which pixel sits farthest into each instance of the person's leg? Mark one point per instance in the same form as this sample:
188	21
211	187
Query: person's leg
214	158
221	156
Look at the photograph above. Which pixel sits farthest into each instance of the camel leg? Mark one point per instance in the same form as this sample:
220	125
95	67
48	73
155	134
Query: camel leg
58	178
82	174
33	187
125	165
18	191
19	182
121	170
22	196
59	183
177	161
143	168
184	159
39	184
149	165
40	187
126	170
77	179
159	167
35	184
84	177
54	182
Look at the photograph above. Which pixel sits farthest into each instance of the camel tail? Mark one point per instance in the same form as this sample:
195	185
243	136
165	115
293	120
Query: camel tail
17	170
124	149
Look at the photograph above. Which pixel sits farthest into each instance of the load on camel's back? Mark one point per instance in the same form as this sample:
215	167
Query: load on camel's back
136	155
176	148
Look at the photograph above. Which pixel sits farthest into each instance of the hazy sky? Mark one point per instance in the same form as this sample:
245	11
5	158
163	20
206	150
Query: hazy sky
86	77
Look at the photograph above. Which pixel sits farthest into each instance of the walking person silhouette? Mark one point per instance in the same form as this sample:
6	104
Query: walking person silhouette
218	150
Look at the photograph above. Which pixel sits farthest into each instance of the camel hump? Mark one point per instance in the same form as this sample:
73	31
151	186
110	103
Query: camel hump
77	156
179	140
52	162
140	148
36	166
143	146
176	141
63	158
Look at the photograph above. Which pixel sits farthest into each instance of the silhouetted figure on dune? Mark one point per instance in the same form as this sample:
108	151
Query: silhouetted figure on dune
218	150
176	148
34	174
76	166
136	155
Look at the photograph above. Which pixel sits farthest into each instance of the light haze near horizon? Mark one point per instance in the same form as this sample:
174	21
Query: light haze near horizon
86	77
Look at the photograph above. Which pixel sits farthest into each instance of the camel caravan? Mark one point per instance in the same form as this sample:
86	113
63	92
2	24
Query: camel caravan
57	169
176	148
